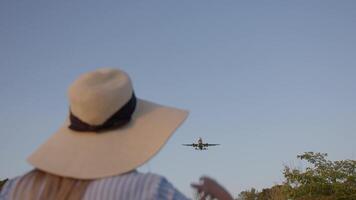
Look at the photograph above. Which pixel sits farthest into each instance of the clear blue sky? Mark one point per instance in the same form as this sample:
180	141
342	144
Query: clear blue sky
266	79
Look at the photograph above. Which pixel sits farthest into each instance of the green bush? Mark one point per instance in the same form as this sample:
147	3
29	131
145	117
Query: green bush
322	179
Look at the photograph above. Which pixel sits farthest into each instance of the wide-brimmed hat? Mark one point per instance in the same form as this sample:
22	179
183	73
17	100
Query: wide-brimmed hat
108	131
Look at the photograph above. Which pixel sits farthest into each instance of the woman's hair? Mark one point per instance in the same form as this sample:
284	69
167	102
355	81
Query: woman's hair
39	185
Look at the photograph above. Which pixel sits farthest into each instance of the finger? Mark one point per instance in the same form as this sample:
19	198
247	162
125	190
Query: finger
208	181
199	188
205	179
204	196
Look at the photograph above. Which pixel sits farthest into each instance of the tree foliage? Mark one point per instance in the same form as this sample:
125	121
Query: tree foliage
274	193
249	194
322	179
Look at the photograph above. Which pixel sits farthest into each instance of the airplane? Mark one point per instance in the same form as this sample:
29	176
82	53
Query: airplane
200	145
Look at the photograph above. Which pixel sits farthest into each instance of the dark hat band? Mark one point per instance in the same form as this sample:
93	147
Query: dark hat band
118	119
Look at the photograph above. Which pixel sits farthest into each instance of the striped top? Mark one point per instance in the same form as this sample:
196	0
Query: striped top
129	186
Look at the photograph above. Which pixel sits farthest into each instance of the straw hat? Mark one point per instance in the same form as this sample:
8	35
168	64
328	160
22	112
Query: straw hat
109	131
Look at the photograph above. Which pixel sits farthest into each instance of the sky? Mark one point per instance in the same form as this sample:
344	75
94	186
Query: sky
268	80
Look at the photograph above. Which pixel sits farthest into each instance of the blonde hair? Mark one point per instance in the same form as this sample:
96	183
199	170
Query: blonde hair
39	185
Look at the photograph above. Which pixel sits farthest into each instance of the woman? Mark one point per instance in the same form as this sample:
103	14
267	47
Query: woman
107	135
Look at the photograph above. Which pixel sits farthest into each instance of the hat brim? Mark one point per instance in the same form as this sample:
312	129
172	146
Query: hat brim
87	155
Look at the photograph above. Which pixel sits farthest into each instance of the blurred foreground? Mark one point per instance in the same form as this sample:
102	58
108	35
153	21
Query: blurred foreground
321	179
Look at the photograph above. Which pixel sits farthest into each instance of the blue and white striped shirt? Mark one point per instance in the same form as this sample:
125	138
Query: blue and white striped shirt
129	186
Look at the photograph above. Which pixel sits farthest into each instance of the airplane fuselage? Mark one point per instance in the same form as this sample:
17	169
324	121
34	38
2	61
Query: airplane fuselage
200	145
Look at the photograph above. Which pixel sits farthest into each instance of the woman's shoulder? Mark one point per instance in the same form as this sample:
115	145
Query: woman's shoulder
133	177
132	185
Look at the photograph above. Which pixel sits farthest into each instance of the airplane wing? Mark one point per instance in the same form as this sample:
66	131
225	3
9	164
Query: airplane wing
192	145
207	144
